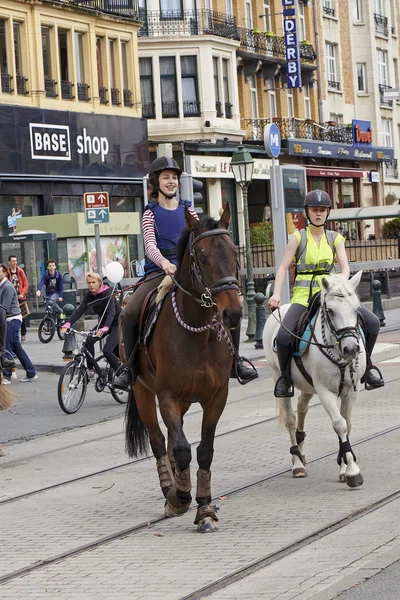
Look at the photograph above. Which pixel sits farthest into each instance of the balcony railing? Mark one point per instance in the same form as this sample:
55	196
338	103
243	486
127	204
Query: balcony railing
333	84
392	169
103	95
381	25
382	99
66	90
228	110
170	110
126	8
271	45
218	108
191	108
148	110
328	10
22	89
115	97
188	22
302	129
83	92
50	88
6	83
127	98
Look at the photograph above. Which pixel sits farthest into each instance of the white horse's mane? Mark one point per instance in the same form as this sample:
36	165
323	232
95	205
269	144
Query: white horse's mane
338	286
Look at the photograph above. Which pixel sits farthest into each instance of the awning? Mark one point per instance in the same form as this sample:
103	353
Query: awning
365	212
339	173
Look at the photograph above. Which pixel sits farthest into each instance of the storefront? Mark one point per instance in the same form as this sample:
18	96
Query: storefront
49	159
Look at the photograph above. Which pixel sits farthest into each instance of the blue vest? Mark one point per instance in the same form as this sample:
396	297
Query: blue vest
168	226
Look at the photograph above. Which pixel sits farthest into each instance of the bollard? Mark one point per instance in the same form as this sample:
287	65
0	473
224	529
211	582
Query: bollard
70	343
259	299
377	302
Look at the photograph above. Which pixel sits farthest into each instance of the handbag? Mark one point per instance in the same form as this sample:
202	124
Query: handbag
25	312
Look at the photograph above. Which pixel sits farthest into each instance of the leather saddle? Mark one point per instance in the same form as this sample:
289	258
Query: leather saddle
148	318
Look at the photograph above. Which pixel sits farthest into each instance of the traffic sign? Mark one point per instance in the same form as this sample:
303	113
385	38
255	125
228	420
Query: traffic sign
94	216
96	200
272	140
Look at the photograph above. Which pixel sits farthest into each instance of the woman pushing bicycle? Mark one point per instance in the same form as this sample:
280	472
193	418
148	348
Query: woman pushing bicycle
99	297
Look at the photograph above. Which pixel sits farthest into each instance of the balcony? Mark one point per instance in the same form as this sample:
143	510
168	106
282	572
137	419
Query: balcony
6	83
392	169
271	45
103	95
50	88
382	99
228	110
127	98
124	8
191	108
328	11
188	22
148	110
381	25
21	85
66	90
115	97
301	129
170	110
83	92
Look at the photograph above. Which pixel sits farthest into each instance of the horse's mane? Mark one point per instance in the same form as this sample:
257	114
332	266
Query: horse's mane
205	223
338	286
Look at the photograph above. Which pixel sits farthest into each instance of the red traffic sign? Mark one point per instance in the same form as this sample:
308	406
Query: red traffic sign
96	200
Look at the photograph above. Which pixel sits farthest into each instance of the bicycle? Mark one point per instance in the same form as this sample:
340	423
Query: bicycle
74	378
50	324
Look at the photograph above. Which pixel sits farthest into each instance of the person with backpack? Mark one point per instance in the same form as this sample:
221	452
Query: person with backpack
53	282
314	250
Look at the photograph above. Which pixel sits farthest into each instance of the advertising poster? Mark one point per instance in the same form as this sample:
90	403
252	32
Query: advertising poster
112	248
77	260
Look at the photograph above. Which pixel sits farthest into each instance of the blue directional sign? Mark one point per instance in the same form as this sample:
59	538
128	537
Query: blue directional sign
94	216
272	140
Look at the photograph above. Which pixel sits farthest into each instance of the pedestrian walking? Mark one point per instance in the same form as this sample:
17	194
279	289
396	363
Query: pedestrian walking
10	304
53	282
18	278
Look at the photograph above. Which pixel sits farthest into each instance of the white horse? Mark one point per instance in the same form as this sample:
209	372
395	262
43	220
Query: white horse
335	361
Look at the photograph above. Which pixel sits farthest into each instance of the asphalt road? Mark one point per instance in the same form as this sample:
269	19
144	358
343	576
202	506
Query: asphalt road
383	586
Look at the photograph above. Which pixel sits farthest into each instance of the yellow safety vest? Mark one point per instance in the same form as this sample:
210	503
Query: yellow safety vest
311	260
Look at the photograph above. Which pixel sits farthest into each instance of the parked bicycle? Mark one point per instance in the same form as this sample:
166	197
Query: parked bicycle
50	324
75	376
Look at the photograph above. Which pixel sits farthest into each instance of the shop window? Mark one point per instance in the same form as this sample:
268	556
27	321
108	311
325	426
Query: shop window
146	87
122	204
191	104
67	204
169	97
228	194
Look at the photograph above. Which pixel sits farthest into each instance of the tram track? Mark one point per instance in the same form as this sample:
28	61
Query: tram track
248	569
130	463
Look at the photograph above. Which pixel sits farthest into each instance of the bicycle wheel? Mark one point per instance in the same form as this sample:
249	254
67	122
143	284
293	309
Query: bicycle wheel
72	387
46	330
61	334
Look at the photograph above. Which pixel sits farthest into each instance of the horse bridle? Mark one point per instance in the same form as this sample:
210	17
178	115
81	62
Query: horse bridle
343	332
225	283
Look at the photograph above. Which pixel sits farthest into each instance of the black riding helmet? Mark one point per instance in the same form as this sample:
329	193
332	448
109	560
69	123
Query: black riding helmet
162	163
317	198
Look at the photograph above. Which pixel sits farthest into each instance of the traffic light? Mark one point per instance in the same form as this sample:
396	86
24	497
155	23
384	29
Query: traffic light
197	195
191	189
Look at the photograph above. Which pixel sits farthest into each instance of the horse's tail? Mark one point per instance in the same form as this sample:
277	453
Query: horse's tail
136	435
6	397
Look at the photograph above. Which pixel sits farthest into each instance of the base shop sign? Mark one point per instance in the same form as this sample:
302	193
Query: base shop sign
53	142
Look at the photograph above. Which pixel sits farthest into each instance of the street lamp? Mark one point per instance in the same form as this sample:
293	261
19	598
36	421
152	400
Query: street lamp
242	165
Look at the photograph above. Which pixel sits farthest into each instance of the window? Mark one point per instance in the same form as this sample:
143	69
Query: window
248	15
272	98
331	70
386	133
82	86
66	85
169	98
336	117
307	104
362	77
20	79
225	82
125	74
396	73
218	103
191	104
292	123
302	22
3	49
267	16
393	17
328	8
113	72
100	76
49	83
146	87
357	15
383	67
171	8
379	7
253	96
229	7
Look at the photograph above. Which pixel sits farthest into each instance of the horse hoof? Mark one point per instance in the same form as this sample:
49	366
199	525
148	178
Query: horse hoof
207	525
171	511
355	481
299	472
342	477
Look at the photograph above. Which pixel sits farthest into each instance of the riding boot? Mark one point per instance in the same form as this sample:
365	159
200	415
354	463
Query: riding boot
284	384
240	370
5	362
126	376
369	378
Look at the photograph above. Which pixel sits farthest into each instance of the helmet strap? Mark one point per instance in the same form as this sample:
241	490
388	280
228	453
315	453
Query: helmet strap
167	197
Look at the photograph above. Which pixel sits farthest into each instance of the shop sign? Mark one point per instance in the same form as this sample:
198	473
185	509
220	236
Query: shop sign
362	133
40	142
374	177
218	167
340	151
292	55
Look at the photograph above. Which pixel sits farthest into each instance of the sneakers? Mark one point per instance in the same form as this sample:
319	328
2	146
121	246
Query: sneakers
25	379
6	381
14	374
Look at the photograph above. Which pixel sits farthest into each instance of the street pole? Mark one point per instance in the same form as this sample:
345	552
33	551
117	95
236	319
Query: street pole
98	250
278	216
251	305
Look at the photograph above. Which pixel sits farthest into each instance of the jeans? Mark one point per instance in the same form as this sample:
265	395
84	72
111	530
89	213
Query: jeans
13	345
52	300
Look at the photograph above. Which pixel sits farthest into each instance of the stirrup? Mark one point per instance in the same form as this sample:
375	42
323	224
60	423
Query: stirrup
128	379
289	391
240	360
364	379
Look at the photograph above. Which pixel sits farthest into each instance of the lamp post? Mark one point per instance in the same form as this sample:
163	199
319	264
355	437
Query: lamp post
242	165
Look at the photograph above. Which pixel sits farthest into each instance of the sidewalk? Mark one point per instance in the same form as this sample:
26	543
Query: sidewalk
49	357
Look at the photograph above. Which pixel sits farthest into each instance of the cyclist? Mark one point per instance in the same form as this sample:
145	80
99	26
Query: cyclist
99	298
53	281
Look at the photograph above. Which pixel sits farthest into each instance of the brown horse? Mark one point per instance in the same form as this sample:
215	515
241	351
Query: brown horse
192	357
6	401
